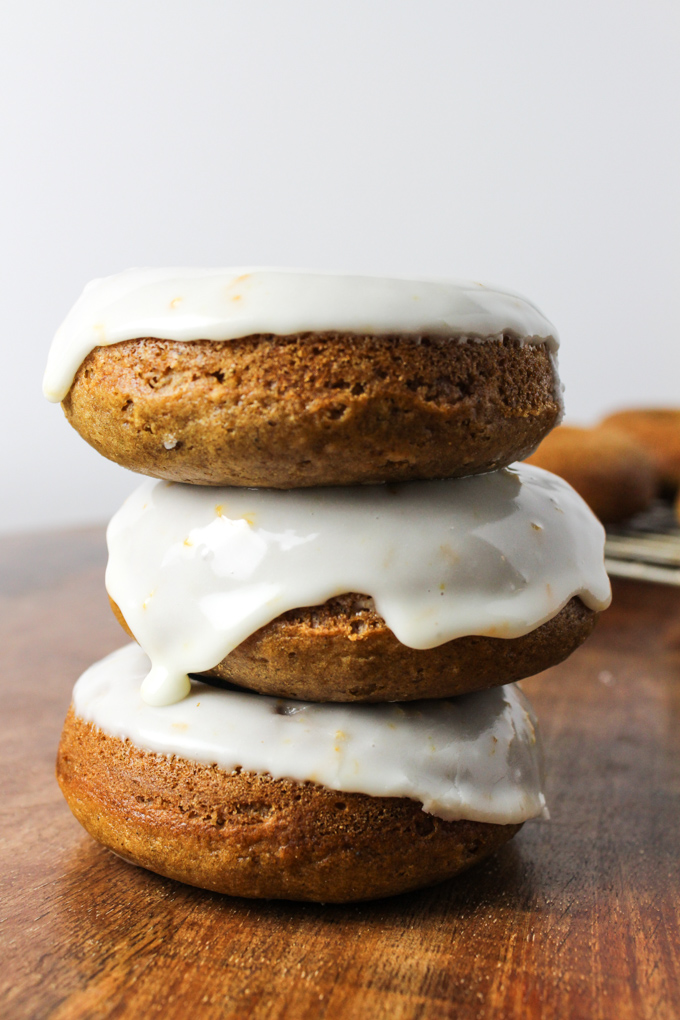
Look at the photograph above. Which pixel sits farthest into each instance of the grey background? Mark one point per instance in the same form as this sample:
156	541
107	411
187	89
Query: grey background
526	143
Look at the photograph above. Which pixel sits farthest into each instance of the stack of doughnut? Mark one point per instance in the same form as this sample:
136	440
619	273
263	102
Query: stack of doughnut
333	576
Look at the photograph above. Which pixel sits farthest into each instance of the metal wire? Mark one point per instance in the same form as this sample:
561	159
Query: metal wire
647	547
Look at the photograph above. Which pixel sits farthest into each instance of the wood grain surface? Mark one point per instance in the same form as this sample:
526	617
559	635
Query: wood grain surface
576	918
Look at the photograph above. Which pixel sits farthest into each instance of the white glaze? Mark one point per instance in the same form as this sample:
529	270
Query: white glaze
224	304
477	756
196	570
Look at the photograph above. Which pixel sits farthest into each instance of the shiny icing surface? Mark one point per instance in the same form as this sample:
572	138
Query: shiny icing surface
224	304
477	756
196	570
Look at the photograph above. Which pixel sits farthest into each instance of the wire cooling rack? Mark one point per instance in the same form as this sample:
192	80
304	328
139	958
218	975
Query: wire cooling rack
647	547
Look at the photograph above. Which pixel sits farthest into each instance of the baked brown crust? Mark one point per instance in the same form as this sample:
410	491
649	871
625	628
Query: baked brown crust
313	409
657	429
251	835
344	651
611	471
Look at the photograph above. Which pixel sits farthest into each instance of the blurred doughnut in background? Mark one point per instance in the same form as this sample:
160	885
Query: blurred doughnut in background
614	474
658	430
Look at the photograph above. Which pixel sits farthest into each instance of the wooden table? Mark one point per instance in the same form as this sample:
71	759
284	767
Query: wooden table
576	918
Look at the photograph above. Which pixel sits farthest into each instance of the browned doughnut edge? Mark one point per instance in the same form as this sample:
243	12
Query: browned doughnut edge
314	409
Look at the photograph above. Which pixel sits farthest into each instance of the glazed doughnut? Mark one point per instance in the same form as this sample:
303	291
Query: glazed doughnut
256	797
286	380
474	582
657	429
611	471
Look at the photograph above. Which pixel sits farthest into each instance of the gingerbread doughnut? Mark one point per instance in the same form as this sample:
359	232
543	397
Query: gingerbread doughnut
256	797
282	379
474	582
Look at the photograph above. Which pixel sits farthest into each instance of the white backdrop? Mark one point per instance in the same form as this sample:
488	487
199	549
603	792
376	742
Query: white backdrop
526	143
